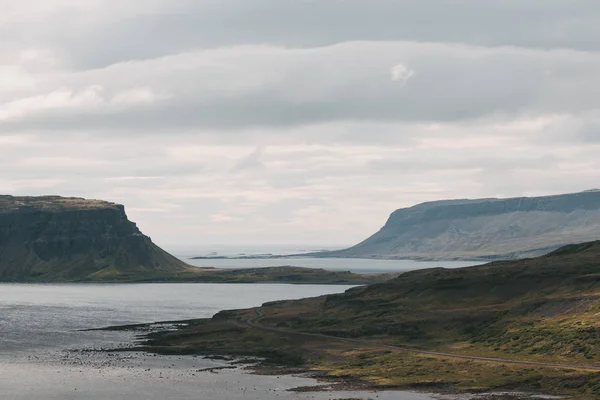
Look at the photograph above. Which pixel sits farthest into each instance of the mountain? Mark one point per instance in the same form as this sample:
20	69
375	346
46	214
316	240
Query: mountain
483	229
59	239
53	238
508	325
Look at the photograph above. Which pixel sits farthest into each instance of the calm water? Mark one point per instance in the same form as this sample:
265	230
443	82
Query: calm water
39	322
358	265
49	316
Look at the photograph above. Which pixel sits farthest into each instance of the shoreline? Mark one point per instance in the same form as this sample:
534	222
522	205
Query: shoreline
423	258
263	364
323	383
286	274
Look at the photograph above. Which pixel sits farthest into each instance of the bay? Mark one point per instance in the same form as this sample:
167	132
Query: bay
231	257
40	333
43	317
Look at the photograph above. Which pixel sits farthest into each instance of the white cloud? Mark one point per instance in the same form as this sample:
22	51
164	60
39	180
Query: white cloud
323	194
238	88
401	73
56	100
136	96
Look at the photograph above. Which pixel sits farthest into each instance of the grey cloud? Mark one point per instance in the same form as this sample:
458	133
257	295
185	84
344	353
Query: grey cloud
583	128
313	192
263	87
251	161
166	106
91	159
429	161
176	27
590	131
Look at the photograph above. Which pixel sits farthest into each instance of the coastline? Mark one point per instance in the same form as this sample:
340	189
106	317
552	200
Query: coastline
150	339
424	258
403	257
528	326
286	274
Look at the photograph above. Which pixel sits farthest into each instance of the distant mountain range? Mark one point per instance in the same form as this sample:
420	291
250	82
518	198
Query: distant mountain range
483	229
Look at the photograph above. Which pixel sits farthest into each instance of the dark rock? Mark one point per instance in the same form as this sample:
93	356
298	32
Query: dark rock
53	238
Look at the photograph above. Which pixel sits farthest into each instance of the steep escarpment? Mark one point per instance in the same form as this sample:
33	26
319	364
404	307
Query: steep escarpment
484	228
58	239
53	238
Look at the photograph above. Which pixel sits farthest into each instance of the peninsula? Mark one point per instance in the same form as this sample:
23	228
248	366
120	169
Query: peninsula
483	229
526	325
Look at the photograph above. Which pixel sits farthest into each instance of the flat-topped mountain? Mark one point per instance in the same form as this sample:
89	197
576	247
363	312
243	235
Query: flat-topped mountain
51	203
52	238
484	228
66	239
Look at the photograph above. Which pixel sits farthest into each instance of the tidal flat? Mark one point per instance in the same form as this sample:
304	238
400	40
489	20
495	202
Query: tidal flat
46	351
139	376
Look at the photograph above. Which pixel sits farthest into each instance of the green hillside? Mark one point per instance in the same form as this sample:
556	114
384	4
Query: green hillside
535	322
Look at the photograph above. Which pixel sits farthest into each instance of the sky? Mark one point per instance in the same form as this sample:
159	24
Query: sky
295	121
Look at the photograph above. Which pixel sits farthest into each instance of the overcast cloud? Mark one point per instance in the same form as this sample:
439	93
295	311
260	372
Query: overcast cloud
295	122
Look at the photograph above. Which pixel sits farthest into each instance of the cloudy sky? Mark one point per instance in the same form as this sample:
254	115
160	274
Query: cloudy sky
295	121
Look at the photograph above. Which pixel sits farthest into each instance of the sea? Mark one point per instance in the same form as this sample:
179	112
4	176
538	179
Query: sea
48	352
275	256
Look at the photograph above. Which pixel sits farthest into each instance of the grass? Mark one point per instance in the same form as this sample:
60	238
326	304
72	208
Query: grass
408	370
360	366
283	274
540	310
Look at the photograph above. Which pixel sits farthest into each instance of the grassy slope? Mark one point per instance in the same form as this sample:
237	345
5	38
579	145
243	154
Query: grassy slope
544	309
483	229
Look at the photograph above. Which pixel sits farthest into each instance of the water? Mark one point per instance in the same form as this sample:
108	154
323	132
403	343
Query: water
176	383
39	322
245	250
34	317
231	259
357	265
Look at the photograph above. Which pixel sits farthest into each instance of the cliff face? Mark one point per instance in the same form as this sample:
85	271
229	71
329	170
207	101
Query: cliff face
484	228
54	238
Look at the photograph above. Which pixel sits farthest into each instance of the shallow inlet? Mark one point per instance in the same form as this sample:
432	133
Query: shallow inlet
39	326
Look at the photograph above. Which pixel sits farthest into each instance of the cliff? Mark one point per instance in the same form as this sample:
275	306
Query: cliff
53	238
58	239
484	228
